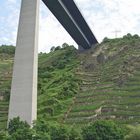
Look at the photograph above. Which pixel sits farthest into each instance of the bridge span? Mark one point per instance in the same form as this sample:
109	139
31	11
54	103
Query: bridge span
68	14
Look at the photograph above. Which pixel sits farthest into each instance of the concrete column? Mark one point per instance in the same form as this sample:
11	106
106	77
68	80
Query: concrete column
23	98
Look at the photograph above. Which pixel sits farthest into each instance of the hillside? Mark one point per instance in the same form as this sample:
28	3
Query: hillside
57	83
6	64
80	87
110	87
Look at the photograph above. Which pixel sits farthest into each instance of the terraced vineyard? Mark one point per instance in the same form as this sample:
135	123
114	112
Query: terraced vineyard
56	82
110	87
6	64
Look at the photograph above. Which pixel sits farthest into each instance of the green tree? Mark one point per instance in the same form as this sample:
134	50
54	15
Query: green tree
52	49
103	130
59	132
105	40
4	135
75	134
57	48
7	49
65	45
41	126
16	124
19	130
136	36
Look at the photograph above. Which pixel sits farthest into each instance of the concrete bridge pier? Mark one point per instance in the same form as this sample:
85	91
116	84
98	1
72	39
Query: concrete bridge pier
23	98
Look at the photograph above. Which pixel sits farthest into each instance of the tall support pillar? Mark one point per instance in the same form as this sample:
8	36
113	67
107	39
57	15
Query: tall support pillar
23	98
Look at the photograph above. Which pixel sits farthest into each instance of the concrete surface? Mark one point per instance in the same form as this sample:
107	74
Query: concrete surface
23	99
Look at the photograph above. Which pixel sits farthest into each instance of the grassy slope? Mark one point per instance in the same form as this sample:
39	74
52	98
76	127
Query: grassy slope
57	83
109	88
6	64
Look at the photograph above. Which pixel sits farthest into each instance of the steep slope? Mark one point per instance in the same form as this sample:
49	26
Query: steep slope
80	87
6	64
57	83
110	87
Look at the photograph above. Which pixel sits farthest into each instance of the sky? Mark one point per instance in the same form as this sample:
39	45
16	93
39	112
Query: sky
103	16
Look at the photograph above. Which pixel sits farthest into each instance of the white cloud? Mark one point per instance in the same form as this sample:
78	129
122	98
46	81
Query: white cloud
9	21
105	16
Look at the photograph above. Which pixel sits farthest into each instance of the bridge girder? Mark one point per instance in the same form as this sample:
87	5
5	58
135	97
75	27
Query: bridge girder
78	17
72	20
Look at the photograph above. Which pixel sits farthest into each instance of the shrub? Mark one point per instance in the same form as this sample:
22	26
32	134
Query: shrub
65	45
4	135
7	49
134	133
75	134
136	36
105	40
19	130
103	130
50	111
52	49
41	128
59	132
16	124
128	36
57	48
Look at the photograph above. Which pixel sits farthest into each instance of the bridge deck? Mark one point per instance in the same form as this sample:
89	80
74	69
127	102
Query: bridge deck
76	14
72	20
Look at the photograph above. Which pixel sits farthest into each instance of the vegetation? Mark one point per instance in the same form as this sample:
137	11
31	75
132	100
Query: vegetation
41	130
77	89
103	130
4	49
110	83
57	82
6	65
134	133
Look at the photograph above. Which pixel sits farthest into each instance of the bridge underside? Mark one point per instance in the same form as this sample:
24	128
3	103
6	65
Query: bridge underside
68	14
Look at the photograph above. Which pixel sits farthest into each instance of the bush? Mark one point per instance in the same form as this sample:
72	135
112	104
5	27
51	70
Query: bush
128	36
41	128
4	135
41	136
50	111
59	132
75	134
134	133
16	124
65	45
103	130
105	40
19	130
57	48
7	49
55	131
136	36
52	49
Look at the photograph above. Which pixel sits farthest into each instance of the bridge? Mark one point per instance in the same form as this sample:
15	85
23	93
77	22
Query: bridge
23	97
72	20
